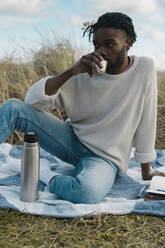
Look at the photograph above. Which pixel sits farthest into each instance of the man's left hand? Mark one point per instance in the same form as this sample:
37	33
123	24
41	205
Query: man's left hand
147	174
155	173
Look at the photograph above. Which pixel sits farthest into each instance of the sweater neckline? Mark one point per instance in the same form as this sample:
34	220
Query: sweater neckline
123	74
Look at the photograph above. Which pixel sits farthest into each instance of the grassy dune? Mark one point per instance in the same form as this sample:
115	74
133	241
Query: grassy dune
24	230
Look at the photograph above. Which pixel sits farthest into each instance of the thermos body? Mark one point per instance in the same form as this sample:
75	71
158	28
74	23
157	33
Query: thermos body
30	171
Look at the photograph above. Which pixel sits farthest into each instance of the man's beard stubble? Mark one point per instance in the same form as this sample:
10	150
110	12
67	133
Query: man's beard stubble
112	67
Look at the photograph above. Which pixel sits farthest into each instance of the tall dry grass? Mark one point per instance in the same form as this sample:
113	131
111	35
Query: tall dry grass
160	137
17	77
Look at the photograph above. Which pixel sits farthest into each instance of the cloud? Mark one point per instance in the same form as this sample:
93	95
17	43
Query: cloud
152	32
157	18
12	21
13	12
127	6
75	21
161	3
151	9
23	7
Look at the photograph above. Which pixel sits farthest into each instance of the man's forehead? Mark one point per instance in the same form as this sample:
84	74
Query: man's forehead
108	34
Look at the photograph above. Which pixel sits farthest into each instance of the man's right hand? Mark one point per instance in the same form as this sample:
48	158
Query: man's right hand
87	64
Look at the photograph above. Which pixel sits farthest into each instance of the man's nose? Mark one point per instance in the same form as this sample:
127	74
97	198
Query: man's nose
102	51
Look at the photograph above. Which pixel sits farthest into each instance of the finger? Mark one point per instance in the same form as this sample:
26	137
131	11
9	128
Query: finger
162	174
90	64
97	55
158	173
95	59
90	73
92	58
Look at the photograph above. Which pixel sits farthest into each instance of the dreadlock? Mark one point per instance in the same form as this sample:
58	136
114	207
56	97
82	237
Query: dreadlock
113	20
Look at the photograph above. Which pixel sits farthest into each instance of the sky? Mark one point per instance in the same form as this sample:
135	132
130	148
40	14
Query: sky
26	24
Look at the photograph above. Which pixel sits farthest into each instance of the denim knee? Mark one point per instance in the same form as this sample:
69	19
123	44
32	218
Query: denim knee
13	102
14	105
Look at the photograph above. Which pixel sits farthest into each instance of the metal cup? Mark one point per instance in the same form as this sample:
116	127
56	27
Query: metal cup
104	66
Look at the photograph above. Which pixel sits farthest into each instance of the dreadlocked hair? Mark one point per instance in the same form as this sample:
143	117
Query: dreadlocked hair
115	20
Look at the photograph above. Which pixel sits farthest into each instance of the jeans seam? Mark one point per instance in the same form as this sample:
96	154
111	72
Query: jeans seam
48	135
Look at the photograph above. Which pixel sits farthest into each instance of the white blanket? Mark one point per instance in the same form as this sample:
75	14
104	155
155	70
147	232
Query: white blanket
121	199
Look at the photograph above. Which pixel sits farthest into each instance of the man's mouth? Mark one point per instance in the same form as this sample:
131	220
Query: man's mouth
108	60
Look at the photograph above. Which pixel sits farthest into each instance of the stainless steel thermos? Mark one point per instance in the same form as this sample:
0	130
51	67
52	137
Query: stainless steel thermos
30	168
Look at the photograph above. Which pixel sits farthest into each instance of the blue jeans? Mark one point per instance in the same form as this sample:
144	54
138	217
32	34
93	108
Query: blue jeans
94	175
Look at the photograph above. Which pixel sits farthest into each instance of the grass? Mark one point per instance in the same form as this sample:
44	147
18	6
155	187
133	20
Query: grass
19	230
130	231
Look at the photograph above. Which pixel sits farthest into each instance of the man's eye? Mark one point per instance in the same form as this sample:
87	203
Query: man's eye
110	44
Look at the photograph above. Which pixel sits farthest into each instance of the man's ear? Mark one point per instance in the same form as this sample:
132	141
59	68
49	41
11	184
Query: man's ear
128	43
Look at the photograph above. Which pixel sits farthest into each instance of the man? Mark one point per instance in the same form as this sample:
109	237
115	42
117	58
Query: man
108	114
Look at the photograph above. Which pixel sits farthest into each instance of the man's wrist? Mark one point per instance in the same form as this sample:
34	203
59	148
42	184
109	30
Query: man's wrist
145	169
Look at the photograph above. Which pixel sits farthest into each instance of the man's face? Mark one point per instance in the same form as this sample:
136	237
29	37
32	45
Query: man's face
113	45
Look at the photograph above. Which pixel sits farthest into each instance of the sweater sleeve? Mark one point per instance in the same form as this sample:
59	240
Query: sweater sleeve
145	135
37	98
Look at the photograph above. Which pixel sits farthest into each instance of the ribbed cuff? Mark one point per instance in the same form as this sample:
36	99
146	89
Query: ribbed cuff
40	88
145	157
45	176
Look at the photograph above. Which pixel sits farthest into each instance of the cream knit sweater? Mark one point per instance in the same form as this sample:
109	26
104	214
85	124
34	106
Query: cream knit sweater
109	113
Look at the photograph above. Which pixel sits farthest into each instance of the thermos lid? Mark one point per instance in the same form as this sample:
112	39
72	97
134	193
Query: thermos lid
31	137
